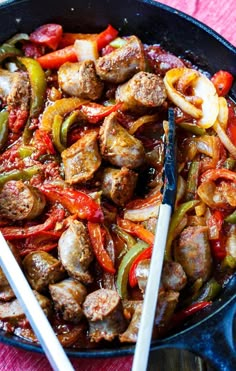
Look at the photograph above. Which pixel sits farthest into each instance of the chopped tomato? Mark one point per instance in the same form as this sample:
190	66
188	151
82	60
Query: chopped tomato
218	249
222	81
17	119
58	57
32	50
48	34
96	233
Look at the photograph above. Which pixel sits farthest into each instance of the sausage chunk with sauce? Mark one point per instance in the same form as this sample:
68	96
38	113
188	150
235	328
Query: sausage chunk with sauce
119	184
75	251
121	64
193	253
82	159
19	201
143	90
15	88
80	80
41	269
118	146
173	276
104	312
68	296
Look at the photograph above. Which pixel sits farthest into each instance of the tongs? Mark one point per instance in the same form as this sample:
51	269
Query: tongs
39	322
151	294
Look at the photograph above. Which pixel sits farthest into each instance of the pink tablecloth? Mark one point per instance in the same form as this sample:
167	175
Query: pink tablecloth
219	15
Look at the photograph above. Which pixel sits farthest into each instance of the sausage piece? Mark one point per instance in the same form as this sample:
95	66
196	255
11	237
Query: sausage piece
119	184
104	312
193	253
68	295
118	146
121	64
75	251
143	90
82	159
41	269
15	88
80	80
19	201
173	276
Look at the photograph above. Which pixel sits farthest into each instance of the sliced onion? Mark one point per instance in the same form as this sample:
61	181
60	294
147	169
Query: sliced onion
86	49
225	139
140	215
223	112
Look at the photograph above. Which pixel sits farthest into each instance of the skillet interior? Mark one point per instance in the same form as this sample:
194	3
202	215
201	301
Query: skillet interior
152	22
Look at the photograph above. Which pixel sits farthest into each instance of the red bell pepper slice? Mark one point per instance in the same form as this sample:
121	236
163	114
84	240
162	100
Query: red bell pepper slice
97	241
218	248
48	34
12	233
58	57
214	174
76	202
106	36
145	254
189	311
222	81
95	112
136	230
231	126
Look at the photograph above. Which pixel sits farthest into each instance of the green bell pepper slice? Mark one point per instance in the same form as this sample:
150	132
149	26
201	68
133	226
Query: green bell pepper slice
24	174
7	50
3	128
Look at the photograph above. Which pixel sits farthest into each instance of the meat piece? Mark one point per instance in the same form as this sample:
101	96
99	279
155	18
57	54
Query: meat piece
68	295
41	269
131	333
142	273
143	90
12	311
118	146
119	184
82	159
193	252
104	312
121	64
15	88
173	276
80	80
75	251
19	201
167	302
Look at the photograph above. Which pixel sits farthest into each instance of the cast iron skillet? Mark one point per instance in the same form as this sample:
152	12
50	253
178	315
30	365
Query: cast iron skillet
210	333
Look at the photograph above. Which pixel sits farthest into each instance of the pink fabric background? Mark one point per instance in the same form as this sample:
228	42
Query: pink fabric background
219	15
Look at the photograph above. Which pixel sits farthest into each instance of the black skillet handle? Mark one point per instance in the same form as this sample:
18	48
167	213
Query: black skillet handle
212	339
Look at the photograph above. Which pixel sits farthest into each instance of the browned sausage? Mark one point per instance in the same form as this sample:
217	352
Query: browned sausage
173	276
118	146
41	269
80	80
19	201
104	312
119	184
193	252
75	251
15	88
121	64
143	90
82	159
68	295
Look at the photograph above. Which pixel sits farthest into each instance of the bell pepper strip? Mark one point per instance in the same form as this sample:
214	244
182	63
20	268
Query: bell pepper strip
208	292
95	112
76	202
55	59
61	107
231	124
66	125
176	219
222	81
48	35
136	230
69	38
43	241
4	115
7	50
56	133
126	237
214	174
24	174
106	36
192	181
12	233
214	223
124	268
103	259
25	151
192	128
18	37
183	314
145	254
231	218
